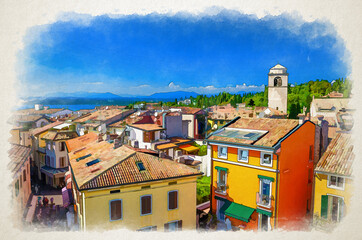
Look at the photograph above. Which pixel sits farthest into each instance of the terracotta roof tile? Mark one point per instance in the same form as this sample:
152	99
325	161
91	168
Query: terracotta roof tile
18	154
37	131
118	167
79	142
276	129
338	157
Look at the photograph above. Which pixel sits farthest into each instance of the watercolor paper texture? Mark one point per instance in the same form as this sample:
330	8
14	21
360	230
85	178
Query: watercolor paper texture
181	62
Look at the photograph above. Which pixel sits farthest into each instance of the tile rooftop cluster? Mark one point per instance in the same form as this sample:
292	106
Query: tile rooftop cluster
276	129
18	154
338	157
99	115
111	167
37	131
60	135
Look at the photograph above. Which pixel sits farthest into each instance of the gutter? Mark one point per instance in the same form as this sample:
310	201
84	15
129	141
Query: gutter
276	190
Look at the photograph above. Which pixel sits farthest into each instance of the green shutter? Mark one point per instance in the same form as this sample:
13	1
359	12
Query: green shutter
264	177
263	212
324	206
221	168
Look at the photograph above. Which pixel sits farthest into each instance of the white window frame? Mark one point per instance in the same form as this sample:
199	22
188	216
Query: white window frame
239	155
218	152
175	221
218	180
259	222
335	187
262	157
261	191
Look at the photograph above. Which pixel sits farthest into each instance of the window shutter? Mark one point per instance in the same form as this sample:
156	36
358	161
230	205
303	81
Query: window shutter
166	227
324	206
179	225
341	208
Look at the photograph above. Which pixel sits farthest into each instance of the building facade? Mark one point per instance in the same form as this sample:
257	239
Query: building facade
115	187
333	180
262	174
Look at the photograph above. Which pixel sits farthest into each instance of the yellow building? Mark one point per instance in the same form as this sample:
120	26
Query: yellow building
115	187
262	172
333	180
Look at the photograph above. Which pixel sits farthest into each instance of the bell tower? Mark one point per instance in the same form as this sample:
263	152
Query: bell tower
278	88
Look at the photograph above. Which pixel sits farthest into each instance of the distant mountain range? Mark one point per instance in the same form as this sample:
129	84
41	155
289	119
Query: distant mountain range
61	98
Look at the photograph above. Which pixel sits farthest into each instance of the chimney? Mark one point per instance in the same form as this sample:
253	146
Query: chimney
117	143
320	119
100	137
302	118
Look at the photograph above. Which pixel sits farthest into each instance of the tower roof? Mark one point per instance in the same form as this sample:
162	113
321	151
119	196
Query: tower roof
278	69
278	66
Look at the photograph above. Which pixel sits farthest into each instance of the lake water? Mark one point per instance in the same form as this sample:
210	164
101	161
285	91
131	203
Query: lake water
70	107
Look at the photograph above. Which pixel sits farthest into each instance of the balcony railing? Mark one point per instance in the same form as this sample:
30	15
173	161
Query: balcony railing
221	188
263	200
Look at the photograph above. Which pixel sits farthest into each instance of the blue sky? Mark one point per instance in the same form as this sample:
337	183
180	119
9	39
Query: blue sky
141	55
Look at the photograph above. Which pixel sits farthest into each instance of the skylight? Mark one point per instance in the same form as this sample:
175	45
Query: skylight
247	134
92	162
140	166
83	157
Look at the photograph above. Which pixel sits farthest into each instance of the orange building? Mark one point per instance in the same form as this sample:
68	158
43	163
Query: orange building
262	173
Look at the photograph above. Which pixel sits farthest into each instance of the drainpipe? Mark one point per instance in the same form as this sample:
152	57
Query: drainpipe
83	206
276	189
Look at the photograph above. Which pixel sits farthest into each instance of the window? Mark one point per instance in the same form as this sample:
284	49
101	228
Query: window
24	175
148	136
265	189
173	226
310	153
62	146
140	166
115	210
222	152
172	200
48	146
62	162
17	188
146	205
332	207
21	182
243	155
148	229
266	159
335	182
221	180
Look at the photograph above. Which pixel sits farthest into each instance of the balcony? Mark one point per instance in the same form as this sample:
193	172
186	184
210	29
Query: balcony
221	188
264	200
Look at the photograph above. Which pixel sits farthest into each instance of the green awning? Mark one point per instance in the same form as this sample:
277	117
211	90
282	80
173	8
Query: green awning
239	211
221	168
264	177
264	212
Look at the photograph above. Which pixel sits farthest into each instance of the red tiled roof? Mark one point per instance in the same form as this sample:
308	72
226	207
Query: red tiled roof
118	167
18	154
338	157
277	129
37	131
189	110
79	142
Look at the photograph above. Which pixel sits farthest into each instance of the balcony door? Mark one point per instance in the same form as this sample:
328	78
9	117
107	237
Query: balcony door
220	215
265	192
